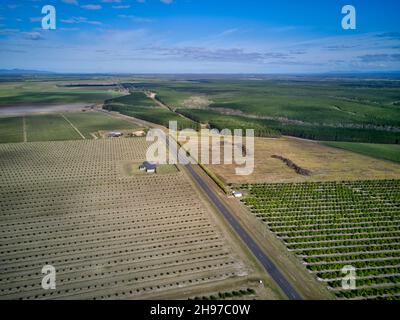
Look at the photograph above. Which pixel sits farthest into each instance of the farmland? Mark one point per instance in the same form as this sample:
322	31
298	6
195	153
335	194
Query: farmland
380	151
138	105
56	126
325	164
79	202
136	99
329	225
276	128
328	109
351	109
11	129
53	91
49	127
92	122
135	236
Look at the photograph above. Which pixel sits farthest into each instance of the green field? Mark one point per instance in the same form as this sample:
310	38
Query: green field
139	106
329	225
31	92
49	127
331	101
274	128
138	99
167	169
92	122
354	110
55	127
380	151
318	108
11	129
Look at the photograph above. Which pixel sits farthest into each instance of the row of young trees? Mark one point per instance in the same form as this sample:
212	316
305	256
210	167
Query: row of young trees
332	224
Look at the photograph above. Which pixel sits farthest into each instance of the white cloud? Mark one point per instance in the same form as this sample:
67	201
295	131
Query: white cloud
228	32
32	35
76	20
69	29
35	19
91	7
135	18
8	31
121	7
75	2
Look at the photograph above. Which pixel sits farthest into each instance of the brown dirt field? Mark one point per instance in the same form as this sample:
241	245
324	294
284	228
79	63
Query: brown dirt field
325	164
110	235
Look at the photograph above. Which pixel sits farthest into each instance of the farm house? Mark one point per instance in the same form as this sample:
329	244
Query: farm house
149	167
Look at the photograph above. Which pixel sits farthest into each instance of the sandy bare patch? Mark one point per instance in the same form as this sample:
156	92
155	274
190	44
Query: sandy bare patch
196	102
18	110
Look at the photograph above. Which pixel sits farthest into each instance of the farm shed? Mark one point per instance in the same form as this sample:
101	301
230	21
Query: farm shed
115	134
237	194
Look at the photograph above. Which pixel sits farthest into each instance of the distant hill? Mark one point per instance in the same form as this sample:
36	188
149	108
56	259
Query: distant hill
23	72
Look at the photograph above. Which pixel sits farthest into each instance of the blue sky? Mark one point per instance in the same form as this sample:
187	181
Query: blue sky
200	36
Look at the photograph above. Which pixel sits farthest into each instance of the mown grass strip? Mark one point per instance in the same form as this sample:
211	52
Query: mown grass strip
380	151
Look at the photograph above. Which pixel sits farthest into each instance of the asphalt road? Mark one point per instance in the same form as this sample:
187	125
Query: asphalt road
268	265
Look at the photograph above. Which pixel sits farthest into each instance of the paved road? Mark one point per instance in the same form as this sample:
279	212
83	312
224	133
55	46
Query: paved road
268	265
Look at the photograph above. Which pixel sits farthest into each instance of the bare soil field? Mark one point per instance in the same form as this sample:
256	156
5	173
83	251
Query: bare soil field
324	163
196	102
110	235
